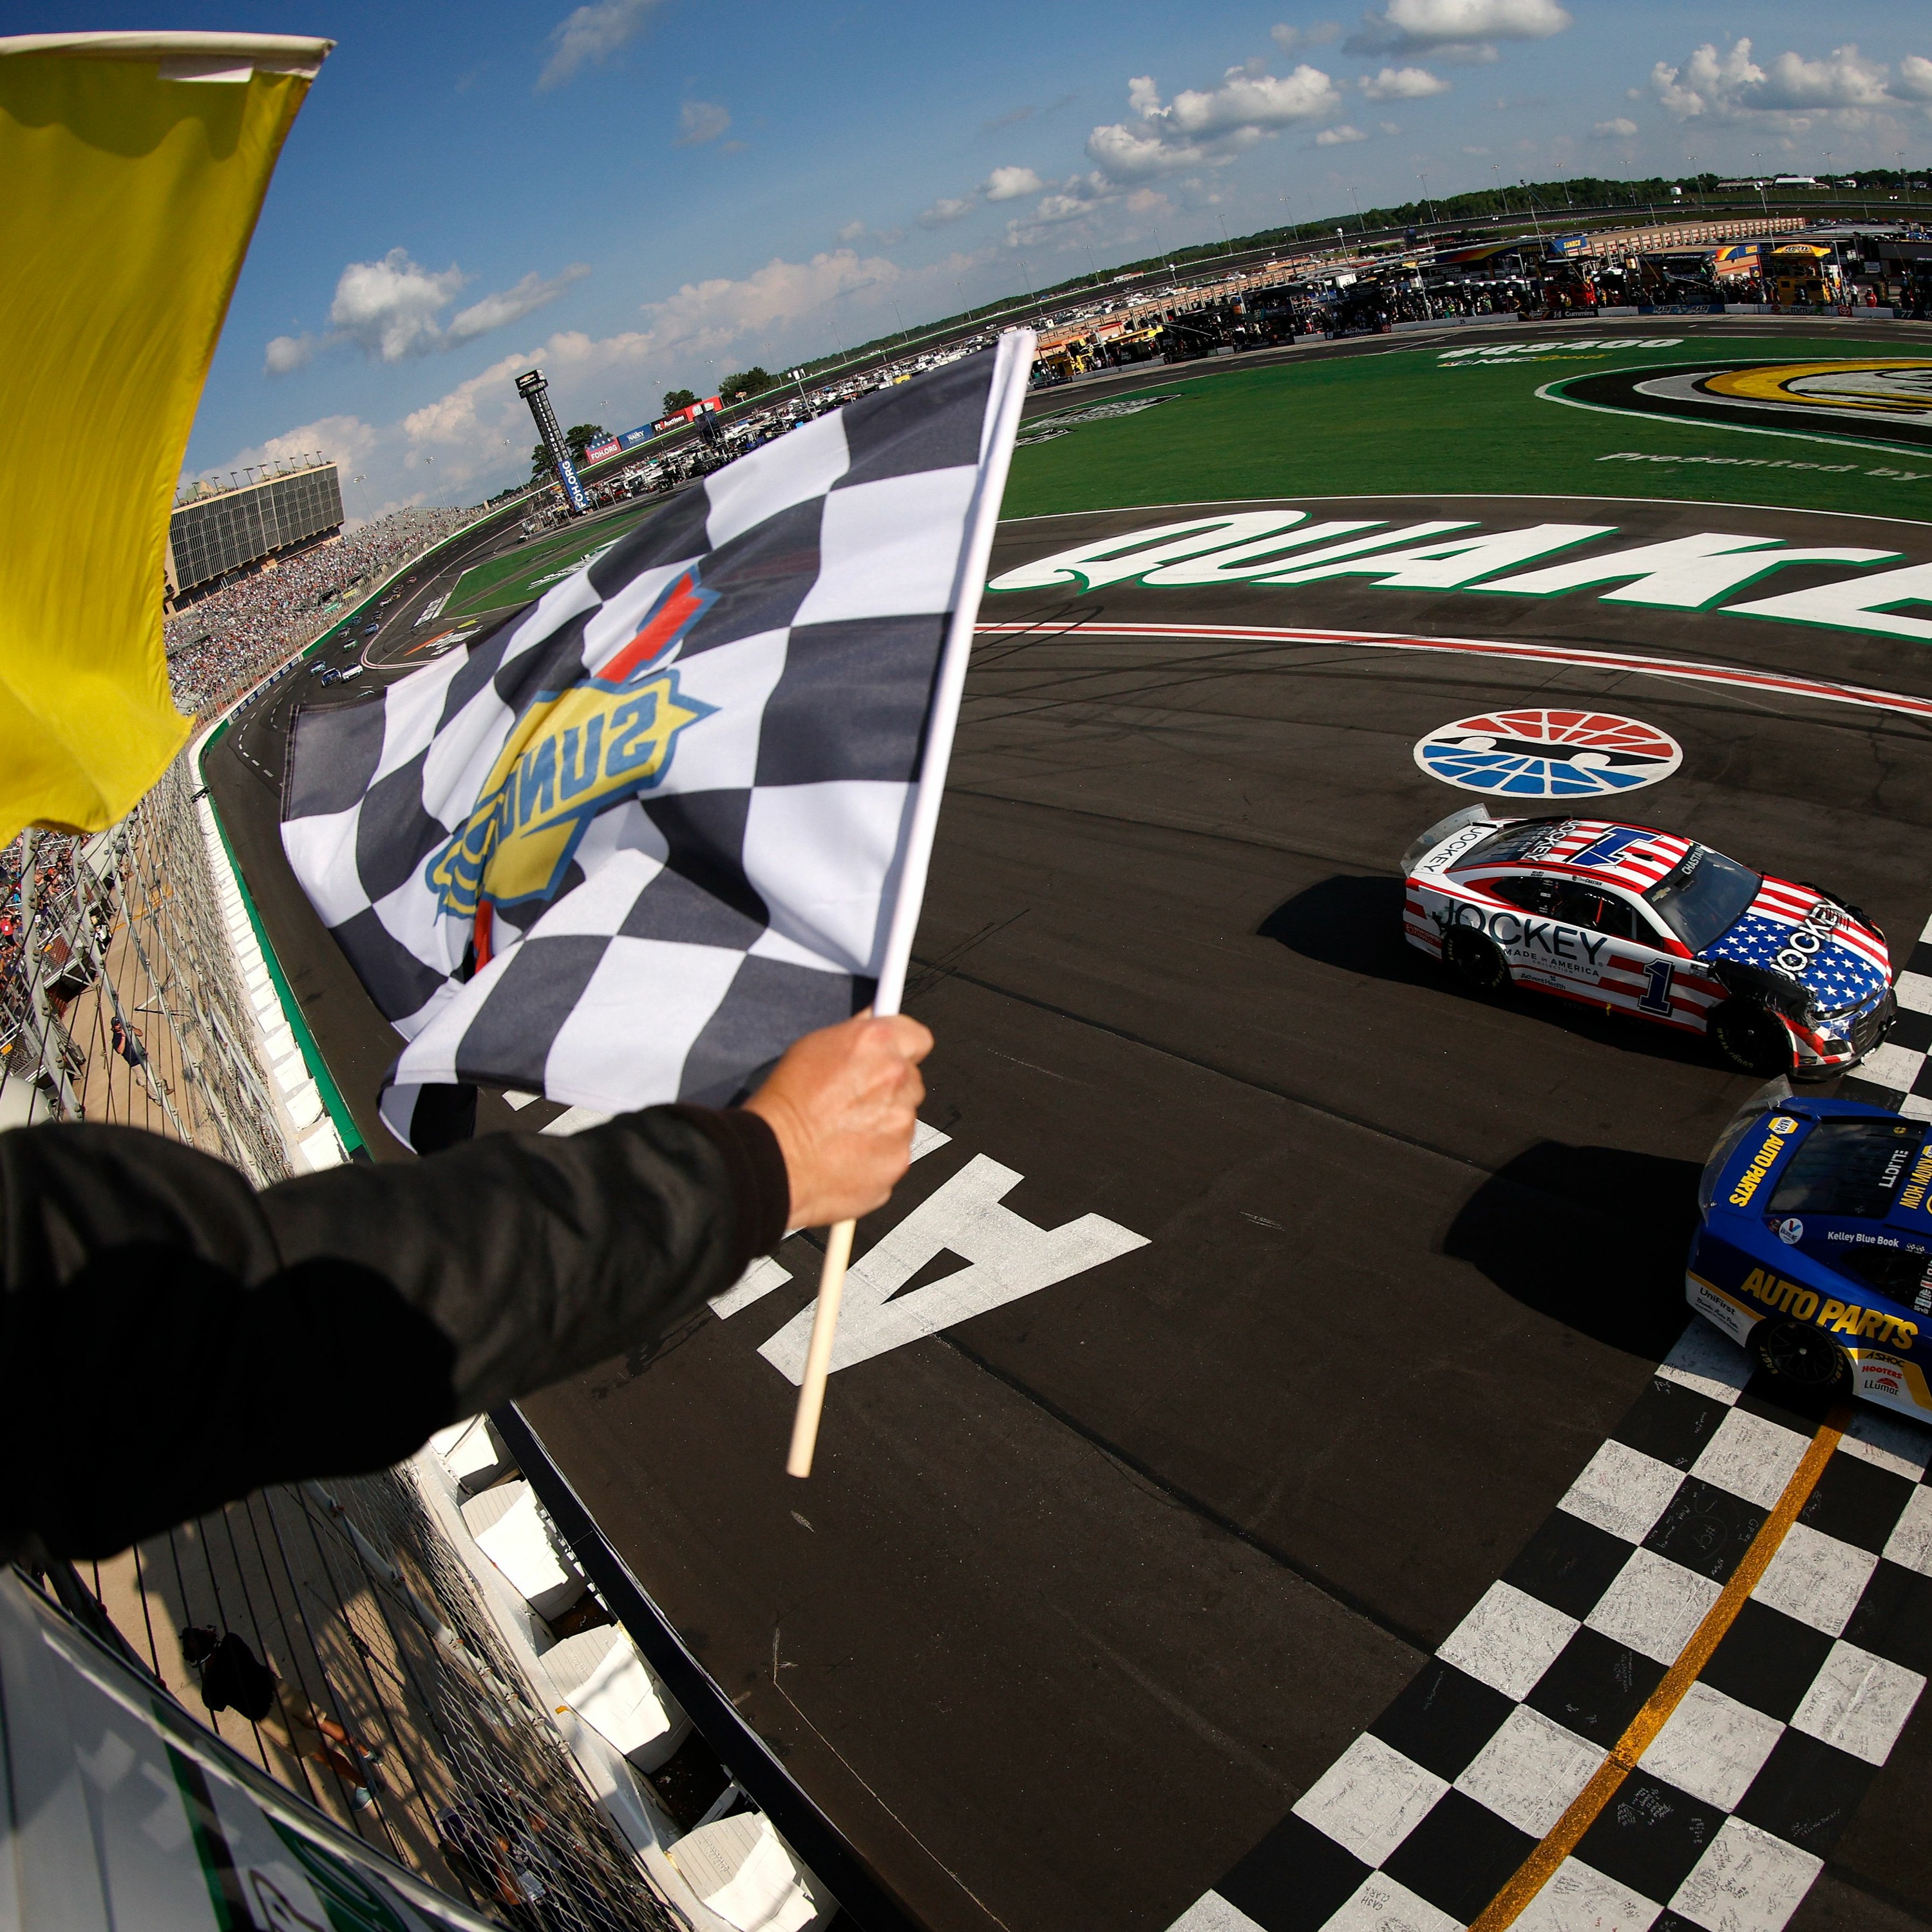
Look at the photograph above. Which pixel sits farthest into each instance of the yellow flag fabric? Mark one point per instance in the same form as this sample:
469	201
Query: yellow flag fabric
132	169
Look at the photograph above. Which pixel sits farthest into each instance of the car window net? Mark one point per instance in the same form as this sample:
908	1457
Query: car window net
1846	1167
1703	895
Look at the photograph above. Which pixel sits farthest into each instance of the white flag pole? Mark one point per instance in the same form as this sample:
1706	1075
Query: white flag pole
1012	360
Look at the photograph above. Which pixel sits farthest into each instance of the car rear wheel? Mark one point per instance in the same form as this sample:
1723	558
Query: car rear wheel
1753	1040
1477	962
1800	1357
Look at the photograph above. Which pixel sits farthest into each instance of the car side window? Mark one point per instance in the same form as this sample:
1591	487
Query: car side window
1528	894
1578	904
1899	1273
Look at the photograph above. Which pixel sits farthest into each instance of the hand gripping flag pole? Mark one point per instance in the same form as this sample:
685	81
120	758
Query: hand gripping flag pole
1015	355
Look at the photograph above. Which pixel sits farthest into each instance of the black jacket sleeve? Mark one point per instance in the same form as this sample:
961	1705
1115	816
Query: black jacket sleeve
172	1339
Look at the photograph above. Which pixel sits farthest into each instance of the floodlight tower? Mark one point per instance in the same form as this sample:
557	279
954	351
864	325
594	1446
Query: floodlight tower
534	391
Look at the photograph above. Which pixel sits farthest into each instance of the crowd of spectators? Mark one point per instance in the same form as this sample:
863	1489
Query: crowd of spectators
219	644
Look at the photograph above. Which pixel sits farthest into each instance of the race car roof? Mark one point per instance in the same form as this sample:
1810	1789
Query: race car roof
1633	857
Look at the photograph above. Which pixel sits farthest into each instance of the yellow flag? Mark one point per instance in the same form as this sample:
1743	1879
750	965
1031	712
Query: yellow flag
132	168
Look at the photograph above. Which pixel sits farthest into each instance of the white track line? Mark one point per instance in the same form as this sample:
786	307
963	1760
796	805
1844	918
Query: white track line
1684	669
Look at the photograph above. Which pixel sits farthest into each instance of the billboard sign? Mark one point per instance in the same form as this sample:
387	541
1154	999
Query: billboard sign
690	413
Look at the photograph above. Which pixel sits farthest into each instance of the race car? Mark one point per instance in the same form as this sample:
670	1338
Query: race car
1813	1250
1785	978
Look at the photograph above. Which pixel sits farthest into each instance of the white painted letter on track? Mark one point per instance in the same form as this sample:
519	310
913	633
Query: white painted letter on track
1007	1257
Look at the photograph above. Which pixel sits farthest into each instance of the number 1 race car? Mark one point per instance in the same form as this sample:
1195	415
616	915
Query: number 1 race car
1786	978
1814	1245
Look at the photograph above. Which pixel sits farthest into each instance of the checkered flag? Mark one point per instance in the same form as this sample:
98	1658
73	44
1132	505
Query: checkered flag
628	847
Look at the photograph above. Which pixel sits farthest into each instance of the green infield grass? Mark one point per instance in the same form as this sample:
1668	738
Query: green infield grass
1419	421
518	576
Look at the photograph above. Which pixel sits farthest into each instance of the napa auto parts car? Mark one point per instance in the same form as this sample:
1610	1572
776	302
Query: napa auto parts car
1785	978
1814	1245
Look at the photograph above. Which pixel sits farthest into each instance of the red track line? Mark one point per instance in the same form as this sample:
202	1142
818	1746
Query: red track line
1597	660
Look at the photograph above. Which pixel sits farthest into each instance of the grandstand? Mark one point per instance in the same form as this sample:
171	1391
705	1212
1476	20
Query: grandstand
215	532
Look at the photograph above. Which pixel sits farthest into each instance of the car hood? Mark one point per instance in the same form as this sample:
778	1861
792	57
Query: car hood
1827	951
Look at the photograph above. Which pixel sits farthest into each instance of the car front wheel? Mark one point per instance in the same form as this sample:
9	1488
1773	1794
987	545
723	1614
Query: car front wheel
1753	1040
1477	962
1800	1357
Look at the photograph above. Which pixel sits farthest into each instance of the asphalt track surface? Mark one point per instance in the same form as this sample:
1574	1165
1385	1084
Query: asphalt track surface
1088	1589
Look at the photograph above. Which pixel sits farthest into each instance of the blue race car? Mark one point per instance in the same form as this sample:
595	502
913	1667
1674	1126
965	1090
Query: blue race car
1814	1246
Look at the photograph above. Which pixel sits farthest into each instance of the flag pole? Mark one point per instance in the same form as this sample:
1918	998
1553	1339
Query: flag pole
1012	360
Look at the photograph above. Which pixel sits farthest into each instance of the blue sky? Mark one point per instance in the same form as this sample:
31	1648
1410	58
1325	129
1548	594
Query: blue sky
637	194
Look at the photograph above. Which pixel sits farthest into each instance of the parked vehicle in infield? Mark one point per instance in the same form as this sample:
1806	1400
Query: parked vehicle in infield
1813	1250
1785	978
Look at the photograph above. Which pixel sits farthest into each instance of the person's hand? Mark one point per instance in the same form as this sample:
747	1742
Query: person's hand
842	1103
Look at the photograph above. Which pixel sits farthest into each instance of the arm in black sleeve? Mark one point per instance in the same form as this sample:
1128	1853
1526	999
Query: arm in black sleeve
173	1339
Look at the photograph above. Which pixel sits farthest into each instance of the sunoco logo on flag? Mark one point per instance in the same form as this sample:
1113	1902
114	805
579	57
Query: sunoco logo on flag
628	846
573	754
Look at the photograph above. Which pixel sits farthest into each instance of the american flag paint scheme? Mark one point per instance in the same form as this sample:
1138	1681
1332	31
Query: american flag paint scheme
1786	977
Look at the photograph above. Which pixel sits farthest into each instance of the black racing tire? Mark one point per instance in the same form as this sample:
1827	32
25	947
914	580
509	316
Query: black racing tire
1477	961
1752	1040
1800	1357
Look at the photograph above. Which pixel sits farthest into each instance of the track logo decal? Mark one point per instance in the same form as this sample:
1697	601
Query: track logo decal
1548	754
1878	399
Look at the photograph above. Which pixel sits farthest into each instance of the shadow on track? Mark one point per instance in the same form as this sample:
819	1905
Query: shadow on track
1592	1236
1355	923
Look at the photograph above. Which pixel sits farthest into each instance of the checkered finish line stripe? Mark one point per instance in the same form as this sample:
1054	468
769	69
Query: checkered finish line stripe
1665	1713
1896	1074
629	846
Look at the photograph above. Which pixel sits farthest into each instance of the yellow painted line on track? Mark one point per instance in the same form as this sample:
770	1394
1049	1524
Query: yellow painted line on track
1536	1871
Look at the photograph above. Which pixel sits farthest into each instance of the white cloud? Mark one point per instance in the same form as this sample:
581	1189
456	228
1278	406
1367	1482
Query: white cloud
511	305
1404	83
1456	29
1324	33
1009	183
347	440
390	306
593	33
1389	127
852	231
700	120
1336	137
1915	78
1245	101
945	210
478	433
1732	85
1126	152
288	353
1619	129
1209	127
